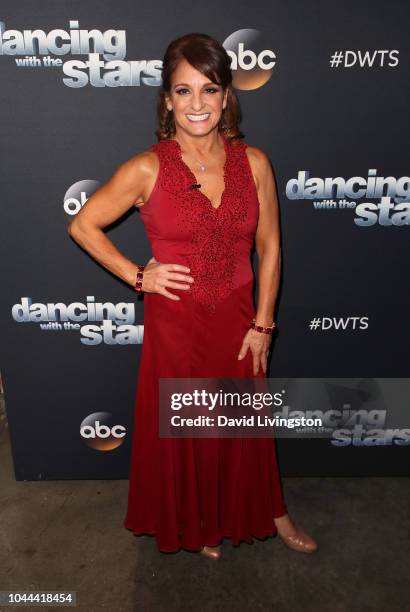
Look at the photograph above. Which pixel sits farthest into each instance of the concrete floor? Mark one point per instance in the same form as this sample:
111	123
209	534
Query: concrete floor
68	535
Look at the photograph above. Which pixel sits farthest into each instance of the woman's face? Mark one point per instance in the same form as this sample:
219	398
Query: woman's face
197	102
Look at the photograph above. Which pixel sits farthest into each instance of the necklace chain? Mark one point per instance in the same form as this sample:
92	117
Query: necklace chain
202	166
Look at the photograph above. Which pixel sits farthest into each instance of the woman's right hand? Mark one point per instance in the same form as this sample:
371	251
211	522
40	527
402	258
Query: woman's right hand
158	276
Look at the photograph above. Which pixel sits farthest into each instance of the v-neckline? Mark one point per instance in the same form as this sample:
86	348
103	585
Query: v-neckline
193	177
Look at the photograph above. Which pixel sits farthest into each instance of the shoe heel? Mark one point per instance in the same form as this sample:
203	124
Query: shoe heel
212	552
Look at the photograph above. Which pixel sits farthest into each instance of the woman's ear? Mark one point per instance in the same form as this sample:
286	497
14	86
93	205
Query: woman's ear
168	103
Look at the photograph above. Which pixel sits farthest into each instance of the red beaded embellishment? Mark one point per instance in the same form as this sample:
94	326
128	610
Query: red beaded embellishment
263	330
138	282
214	231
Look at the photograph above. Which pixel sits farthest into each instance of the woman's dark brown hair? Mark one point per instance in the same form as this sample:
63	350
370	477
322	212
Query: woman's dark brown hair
209	57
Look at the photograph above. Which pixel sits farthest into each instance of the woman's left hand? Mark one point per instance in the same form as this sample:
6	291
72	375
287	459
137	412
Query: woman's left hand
259	344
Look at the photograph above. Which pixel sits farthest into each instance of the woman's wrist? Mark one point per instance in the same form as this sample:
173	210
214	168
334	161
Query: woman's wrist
263	329
139	276
264	320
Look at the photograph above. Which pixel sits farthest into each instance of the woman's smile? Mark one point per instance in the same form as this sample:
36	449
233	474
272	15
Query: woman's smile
198	118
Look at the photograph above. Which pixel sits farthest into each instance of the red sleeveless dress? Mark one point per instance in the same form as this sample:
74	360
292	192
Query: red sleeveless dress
191	492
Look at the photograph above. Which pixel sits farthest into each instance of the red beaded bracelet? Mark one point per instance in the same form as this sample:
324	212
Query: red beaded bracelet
140	276
261	329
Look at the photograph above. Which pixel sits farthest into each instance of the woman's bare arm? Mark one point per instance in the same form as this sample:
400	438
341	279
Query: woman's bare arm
267	238
131	183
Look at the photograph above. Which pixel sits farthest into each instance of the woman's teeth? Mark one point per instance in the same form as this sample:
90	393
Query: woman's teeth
198	117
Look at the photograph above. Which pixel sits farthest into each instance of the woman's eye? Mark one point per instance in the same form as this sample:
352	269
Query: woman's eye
208	89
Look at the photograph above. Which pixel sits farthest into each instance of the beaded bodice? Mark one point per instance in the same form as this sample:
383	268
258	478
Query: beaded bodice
184	227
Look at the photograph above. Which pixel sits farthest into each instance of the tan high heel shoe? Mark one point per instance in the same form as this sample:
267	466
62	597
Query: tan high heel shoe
212	552
298	539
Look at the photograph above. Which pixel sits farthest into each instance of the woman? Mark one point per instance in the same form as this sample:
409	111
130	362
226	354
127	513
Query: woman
204	196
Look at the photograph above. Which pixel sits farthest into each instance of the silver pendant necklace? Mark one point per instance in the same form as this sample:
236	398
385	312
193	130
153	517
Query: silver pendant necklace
202	166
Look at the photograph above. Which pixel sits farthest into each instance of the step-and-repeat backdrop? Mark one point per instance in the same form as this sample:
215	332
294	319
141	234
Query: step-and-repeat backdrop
324	92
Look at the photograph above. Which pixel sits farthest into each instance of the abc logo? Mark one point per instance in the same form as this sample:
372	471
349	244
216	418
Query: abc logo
77	195
252	63
99	431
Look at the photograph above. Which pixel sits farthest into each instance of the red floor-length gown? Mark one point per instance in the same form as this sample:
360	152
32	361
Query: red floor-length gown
190	492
